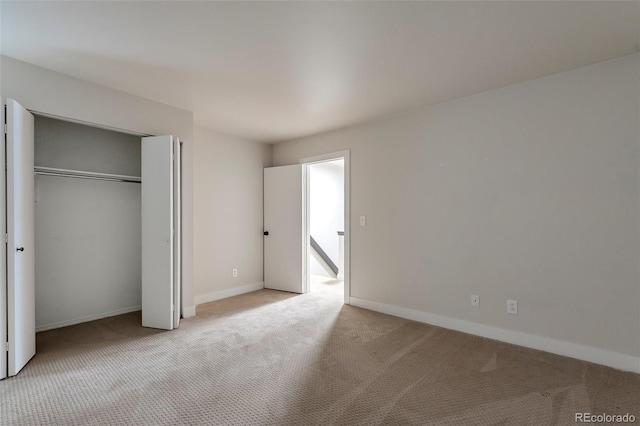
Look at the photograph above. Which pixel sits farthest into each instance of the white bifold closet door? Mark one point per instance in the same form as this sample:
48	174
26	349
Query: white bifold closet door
3	259
20	283
160	232
177	234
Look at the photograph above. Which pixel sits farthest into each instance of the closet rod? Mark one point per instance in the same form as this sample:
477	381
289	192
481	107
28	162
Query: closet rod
51	171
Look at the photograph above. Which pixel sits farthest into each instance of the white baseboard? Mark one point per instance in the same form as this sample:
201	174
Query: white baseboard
228	292
189	311
559	347
88	318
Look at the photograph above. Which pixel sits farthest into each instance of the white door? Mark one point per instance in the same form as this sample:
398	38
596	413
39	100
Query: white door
21	318
157	232
283	246
177	236
3	260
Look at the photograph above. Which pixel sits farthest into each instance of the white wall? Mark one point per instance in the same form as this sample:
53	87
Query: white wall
87	250
529	192
66	145
326	205
53	93
228	175
87	232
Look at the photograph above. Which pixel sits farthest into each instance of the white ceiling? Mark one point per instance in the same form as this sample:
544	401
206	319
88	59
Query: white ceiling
271	71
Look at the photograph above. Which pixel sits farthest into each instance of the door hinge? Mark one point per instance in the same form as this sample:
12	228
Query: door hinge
5	128
6	238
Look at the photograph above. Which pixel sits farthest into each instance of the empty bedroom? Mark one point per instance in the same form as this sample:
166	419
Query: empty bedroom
320	213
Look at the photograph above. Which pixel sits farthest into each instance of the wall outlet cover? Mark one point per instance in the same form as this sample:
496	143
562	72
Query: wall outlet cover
475	300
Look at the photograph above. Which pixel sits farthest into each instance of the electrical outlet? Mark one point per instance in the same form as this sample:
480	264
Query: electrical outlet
512	307
363	221
234	273
475	300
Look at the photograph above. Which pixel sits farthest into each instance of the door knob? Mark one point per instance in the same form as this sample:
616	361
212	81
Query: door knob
20	249
266	232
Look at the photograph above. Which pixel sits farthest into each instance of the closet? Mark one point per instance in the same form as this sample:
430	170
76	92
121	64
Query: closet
87	223
92	228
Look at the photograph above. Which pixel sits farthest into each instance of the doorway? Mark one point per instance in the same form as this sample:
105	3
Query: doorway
287	227
326	233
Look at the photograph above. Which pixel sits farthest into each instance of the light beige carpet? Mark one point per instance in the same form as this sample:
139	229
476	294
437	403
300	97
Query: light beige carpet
276	358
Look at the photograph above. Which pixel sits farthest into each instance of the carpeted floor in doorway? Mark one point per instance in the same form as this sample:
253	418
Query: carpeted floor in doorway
277	358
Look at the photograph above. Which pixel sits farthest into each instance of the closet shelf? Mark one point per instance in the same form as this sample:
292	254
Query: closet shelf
80	174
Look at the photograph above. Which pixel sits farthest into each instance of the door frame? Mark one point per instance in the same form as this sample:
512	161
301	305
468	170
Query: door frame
3	253
323	158
177	232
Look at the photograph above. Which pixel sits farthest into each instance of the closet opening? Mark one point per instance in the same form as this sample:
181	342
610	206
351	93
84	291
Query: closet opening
87	222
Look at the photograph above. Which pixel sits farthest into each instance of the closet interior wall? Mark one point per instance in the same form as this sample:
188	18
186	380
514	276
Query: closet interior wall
87	232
